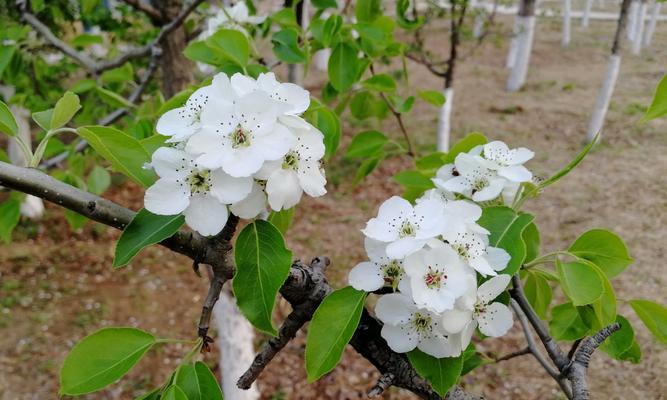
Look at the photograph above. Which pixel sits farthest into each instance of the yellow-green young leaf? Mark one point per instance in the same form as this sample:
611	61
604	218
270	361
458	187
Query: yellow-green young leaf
442	373
282	219
262	265
605	307
432	97
286	46
658	107
368	166
538	292
113	99
620	341
464	145
65	108
232	44
145	229
633	354
173	392
654	316
580	282
43	118
8	124
343	66
531	237
332	327
366	144
10	213
506	227
381	83
368	10
566	323
197	382
124	152
153	142
102	358
604	249
98	180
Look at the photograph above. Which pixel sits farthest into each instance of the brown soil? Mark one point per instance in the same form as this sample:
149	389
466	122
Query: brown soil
57	286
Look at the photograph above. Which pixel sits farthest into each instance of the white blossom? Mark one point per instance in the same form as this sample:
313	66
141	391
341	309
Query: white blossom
405	228
182	122
472	176
474	249
378	271
508	162
199	193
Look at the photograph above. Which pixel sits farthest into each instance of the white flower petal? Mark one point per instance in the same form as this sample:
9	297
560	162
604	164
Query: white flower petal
366	276
275	144
481	265
496	320
403	247
439	346
521	155
491	191
516	173
311	179
458	184
283	189
242	84
206	215
398	339
241	162
455	320
171	163
176	123
228	189
492	288
251	206
166	197
395	309
498	258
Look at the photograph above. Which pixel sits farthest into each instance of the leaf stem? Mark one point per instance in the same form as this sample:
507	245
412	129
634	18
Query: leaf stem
36	158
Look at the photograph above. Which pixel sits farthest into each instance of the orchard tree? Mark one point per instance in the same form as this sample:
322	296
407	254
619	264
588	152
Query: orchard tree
451	262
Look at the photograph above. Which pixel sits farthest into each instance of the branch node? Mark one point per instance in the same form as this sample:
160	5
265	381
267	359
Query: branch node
382	384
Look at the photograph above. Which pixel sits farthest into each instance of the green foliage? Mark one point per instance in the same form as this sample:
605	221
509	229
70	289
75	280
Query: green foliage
124	152
64	111
604	249
566	323
102	358
98	181
262	265
197	382
232	44
43	118
174	392
506	227
8	123
381	83
366	144
441	373
368	10
580	282
145	229
654	317
432	97
112	98
343	67
538	292
464	145
10	213
328	123
402	7
282	219
531	237
658	107
621	341
332	327
286	46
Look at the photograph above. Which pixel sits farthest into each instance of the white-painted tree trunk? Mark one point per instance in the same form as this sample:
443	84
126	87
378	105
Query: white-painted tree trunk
586	17
524	47
514	44
235	339
604	97
638	36
632	20
32	207
650	29
478	28
567	22
444	120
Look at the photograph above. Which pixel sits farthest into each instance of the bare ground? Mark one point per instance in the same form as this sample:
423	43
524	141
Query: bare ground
56	286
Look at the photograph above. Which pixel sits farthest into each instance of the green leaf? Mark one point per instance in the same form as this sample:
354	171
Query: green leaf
4	157
118	75
201	52
465	145
566	323
471	359
113	99
366	144
580	282
6	55
282	219
432	97
233	45
286	46
603	248
658	107
402	7
342	67
605	307
620	341
10	213
102	358
365	105
538	292
124	152
153	142
83	85
633	354
506	227
327	122
262	265
322	4
367	167
654	316
368	10
531	237
152	395
414	179
381	83
197	382
43	118
173	392
430	163
99	180
8	123
442	373
144	230
331	328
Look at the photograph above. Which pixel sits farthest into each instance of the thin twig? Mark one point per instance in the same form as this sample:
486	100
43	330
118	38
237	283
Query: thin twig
574	348
517	353
152	12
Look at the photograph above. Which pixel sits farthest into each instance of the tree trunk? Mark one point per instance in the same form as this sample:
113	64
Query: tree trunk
650	29
567	20
638	36
177	70
235	338
444	119
514	44
604	96
526	29
585	19
632	19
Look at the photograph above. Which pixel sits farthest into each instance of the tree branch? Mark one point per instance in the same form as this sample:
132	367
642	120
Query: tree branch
153	13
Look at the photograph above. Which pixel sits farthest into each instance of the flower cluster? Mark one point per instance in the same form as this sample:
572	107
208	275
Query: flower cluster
430	255
237	144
